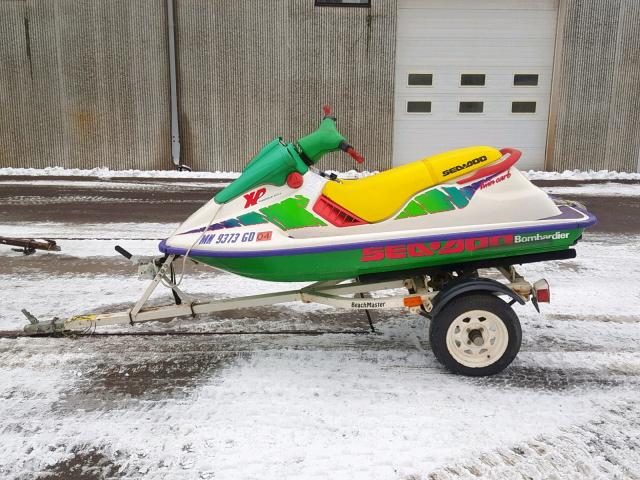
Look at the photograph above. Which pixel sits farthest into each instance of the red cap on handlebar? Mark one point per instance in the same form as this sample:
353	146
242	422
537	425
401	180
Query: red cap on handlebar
355	155
326	110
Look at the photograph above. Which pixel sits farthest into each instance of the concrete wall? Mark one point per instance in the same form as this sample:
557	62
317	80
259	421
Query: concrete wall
597	118
250	71
83	83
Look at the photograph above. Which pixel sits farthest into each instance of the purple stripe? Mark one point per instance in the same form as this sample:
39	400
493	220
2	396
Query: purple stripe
590	220
567	212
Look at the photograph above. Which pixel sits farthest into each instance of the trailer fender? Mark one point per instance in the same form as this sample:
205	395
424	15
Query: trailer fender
452	290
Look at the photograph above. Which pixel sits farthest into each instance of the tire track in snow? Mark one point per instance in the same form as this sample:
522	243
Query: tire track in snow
605	447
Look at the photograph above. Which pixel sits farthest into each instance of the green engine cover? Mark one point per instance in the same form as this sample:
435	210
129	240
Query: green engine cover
276	160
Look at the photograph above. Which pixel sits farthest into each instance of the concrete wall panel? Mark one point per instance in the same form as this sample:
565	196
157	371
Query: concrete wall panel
84	84
250	71
598	105
623	133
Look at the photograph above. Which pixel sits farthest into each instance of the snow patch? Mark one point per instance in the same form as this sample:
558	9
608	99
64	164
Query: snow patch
287	408
102	172
608	189
106	185
581	175
606	447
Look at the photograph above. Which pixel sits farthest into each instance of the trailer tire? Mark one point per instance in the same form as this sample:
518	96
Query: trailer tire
475	334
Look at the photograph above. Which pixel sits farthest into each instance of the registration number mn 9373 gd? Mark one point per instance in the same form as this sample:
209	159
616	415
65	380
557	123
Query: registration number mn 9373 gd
215	238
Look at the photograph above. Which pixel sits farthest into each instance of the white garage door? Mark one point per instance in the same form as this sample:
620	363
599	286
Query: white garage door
473	72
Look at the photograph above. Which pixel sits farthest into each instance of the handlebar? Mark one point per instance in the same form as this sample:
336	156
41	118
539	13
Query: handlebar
277	161
324	140
352	153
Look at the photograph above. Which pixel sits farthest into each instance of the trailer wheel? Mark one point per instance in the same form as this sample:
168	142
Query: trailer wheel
475	335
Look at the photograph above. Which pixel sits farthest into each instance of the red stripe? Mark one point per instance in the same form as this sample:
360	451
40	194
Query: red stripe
335	214
513	156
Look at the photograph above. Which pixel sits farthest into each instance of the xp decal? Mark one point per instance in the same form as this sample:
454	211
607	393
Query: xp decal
253	197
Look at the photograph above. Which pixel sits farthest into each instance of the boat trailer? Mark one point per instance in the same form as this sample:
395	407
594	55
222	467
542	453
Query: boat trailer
426	294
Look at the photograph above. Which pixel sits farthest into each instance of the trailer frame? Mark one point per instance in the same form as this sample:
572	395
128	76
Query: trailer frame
421	298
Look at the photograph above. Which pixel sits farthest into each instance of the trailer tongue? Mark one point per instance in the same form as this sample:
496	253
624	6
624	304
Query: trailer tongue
29	246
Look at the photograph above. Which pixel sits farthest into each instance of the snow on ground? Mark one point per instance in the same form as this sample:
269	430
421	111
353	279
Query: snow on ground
106	173
277	408
609	189
108	231
602	283
345	406
93	240
582	175
105	184
40	200
607	446
278	405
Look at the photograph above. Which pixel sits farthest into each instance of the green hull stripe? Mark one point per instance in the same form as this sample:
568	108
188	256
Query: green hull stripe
343	264
292	213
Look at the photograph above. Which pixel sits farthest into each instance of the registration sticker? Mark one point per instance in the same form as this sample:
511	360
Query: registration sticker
264	236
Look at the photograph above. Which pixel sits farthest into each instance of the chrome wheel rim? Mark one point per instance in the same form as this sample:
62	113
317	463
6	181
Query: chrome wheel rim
477	338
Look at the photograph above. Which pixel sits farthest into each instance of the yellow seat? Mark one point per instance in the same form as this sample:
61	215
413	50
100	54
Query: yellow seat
379	196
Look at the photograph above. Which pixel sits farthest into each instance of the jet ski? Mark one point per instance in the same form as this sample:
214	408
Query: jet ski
284	220
419	237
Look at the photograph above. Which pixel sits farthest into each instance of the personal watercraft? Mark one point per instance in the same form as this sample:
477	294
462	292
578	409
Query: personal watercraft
282	220
428	229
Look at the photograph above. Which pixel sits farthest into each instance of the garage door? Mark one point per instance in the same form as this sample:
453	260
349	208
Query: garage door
473	72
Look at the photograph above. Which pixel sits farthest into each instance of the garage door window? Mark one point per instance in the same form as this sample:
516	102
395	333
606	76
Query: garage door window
418	107
523	107
472	80
525	80
471	107
420	80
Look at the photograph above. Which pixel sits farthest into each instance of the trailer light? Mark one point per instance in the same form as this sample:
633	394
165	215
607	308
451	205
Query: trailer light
541	291
412	301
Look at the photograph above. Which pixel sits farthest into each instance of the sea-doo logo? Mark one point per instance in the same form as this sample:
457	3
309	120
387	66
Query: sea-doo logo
253	197
396	252
464	166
